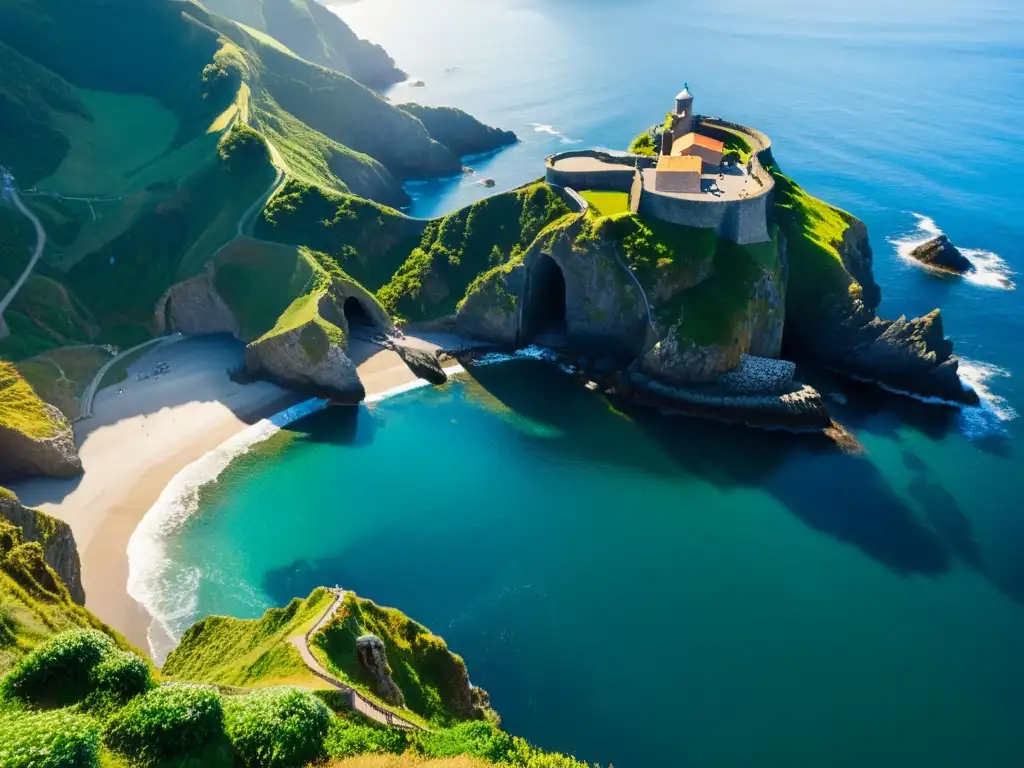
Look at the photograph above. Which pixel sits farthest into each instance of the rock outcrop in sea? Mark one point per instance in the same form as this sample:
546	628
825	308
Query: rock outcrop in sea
940	253
845	334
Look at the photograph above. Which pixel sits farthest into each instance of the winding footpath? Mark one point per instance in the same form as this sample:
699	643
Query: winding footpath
356	700
12	194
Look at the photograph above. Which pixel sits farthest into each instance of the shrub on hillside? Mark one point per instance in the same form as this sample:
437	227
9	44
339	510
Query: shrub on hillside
121	676
346	738
242	147
56	739
167	722
277	727
59	672
643	145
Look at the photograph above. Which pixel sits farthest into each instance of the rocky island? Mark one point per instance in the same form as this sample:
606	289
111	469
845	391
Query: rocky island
940	254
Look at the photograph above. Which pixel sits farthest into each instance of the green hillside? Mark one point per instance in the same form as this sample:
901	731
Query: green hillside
317	35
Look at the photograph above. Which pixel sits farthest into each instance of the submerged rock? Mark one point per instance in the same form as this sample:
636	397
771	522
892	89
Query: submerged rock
374	659
940	253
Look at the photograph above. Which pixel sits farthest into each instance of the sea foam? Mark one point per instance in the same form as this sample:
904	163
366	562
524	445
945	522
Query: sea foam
170	595
990	270
551	130
994	412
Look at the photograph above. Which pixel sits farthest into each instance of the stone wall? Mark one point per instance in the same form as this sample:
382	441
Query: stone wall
604	181
742	221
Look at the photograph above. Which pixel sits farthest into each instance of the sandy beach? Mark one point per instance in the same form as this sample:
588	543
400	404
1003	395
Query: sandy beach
138	439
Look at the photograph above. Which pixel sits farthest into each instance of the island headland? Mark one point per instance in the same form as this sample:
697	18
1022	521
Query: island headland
251	204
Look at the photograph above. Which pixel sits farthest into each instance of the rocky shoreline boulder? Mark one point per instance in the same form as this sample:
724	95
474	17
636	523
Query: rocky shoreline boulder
939	253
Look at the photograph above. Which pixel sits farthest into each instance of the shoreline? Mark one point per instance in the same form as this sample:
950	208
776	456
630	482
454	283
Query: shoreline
146	433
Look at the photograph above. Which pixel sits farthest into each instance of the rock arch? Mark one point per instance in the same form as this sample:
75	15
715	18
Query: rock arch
544	300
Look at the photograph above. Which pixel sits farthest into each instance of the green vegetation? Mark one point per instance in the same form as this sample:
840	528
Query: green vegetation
21	410
368	241
606	203
56	739
456	249
463	134
122	133
60	376
813	229
737	148
315	34
83	666
253	652
432	679
643	145
31	99
166	723
277	727
242	147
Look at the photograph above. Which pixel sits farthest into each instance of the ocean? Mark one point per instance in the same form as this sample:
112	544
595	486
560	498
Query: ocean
643	590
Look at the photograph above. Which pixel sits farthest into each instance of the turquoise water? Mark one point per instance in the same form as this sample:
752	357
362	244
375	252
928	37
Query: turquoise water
650	591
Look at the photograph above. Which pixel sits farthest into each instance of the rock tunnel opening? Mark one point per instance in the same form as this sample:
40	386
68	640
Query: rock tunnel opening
359	320
544	313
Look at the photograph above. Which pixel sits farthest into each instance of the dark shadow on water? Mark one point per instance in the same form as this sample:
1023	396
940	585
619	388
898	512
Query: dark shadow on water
336	425
843	496
947	519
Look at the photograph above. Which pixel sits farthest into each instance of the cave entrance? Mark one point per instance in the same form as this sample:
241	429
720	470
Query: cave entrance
543	319
359	321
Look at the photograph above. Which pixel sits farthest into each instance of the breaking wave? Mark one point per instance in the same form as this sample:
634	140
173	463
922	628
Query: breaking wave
532	352
551	130
992	415
990	270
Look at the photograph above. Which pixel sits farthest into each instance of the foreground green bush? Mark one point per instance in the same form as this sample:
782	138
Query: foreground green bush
172	721
120	677
347	738
57	739
277	727
59	672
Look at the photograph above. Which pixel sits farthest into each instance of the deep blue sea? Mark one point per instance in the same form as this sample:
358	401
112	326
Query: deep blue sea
641	590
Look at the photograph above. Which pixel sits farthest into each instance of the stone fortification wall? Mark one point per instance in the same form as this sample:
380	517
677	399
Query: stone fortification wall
720	129
606	179
742	221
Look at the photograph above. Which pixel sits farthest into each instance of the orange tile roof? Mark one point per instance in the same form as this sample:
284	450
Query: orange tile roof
691	139
680	163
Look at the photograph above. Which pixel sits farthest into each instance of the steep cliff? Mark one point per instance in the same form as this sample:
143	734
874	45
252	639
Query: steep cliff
462	133
54	536
831	301
35	437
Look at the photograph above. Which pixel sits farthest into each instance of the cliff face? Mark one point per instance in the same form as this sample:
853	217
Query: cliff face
462	133
55	538
830	313
309	356
35	437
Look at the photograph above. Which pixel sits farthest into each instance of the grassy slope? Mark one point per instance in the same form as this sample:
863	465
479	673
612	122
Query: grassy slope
60	376
21	409
32	99
367	240
456	249
813	229
421	664
249	652
34	603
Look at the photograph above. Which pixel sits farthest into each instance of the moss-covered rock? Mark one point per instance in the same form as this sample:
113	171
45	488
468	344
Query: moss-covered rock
35	437
54	536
